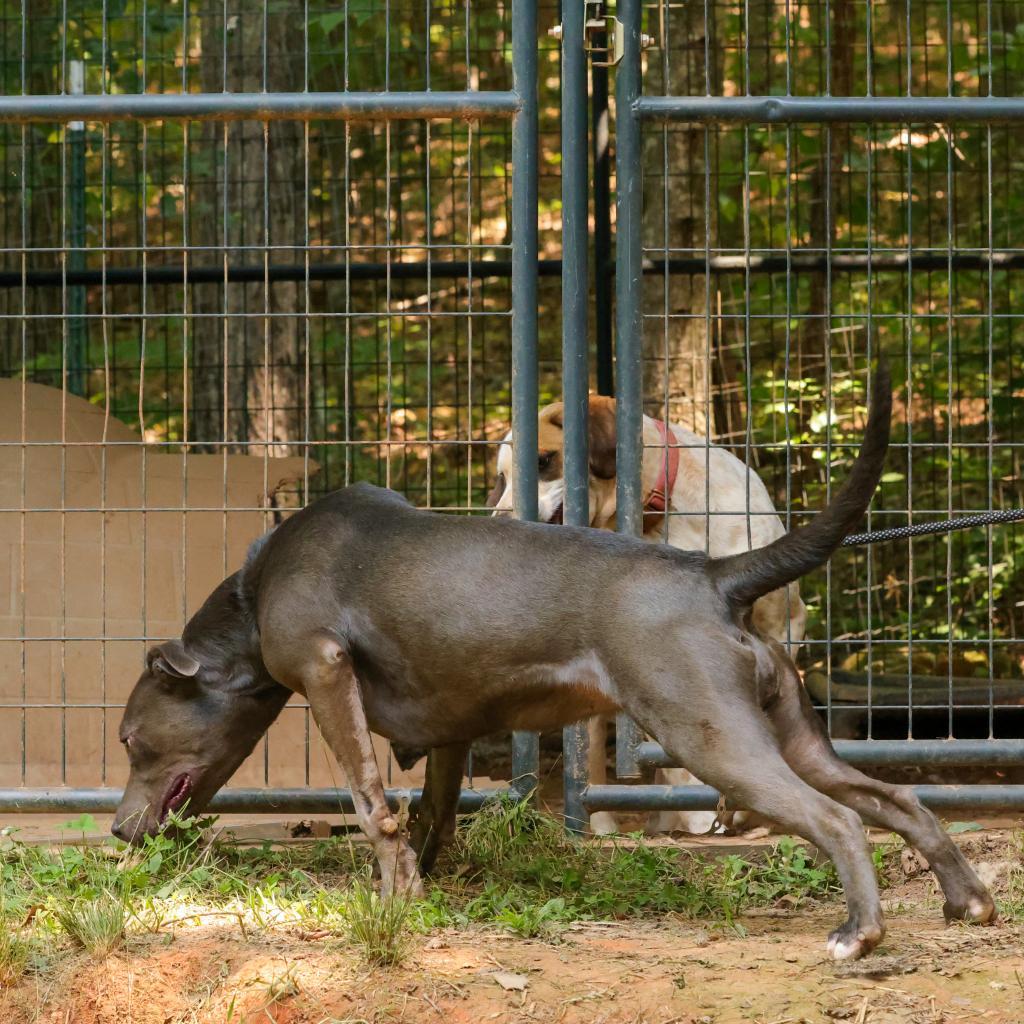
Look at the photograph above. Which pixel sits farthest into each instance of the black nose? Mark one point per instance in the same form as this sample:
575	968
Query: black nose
120	832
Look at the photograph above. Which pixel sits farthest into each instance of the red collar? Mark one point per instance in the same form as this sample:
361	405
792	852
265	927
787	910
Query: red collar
660	496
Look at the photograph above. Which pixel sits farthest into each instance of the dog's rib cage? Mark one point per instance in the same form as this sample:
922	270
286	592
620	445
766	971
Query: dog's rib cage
337	300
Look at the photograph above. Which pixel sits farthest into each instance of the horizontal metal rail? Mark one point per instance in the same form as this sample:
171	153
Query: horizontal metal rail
261	106
339	801
797	262
831	109
704	798
896	753
105	800
177	274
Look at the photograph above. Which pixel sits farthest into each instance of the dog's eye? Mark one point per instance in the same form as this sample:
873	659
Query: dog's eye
544	460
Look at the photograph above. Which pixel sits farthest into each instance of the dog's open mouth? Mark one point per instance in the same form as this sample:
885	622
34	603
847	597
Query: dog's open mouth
177	795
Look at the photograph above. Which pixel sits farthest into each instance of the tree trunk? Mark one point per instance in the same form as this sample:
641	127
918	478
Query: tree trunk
676	348
248	369
824	190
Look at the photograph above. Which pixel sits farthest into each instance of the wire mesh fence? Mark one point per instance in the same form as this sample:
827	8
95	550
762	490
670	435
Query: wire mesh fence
825	241
205	322
234	315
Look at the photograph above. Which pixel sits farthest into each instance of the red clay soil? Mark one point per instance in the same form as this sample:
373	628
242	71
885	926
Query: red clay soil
668	971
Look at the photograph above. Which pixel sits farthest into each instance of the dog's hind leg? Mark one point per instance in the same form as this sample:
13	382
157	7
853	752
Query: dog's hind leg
434	827
729	743
320	667
807	748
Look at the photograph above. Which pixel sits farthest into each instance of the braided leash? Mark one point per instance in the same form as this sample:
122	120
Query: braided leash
1006	515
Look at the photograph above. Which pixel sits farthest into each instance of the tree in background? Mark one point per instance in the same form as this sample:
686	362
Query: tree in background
248	382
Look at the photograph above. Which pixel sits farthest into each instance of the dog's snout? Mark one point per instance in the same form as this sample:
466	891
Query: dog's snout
128	827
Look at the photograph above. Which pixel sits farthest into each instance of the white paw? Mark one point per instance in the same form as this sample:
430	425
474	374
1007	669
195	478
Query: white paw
845	949
603	823
981	911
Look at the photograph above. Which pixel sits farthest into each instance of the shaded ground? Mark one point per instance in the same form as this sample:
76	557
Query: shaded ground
770	969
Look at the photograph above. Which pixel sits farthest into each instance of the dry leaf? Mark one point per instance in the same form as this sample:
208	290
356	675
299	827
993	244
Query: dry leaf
511	982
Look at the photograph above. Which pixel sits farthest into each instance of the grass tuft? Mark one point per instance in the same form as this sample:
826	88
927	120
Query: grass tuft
97	923
14	951
1012	903
378	925
537	878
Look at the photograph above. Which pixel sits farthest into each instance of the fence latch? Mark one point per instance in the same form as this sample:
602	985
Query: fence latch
603	35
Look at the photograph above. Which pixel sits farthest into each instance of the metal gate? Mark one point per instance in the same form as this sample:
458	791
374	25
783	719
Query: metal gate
218	301
851	130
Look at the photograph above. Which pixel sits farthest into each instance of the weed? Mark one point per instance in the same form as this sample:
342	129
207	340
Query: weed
14	951
519	911
97	923
535	876
1012	904
519	870
378	924
508	833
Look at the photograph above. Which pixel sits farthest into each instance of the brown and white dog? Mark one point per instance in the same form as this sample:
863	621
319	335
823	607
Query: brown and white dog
684	475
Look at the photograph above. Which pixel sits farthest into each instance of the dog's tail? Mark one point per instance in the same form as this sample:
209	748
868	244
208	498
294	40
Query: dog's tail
745	577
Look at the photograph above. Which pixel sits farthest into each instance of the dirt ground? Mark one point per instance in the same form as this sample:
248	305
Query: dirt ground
668	971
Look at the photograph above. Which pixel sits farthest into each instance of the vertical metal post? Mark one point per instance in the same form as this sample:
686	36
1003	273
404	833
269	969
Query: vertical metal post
628	321
575	366
603	271
525	746
76	354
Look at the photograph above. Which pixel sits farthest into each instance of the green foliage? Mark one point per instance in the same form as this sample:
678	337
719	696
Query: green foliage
14	949
788	874
514	869
535	875
952	336
94	921
377	924
1011	905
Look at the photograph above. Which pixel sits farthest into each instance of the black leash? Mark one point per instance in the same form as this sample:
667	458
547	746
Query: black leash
1006	515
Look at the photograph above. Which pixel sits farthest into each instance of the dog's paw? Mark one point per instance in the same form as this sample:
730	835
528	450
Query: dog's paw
851	941
978	909
603	823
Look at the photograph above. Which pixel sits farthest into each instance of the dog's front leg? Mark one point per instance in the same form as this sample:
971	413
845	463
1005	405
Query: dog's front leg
333	692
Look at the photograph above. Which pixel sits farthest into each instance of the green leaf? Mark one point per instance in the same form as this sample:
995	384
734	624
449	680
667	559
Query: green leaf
329	22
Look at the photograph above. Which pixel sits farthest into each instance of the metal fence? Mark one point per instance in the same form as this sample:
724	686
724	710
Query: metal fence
317	239
251	252
804	187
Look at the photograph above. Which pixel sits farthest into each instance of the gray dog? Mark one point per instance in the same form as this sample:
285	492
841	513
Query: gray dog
386	618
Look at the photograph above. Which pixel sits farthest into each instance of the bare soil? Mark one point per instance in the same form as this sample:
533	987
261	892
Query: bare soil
772	970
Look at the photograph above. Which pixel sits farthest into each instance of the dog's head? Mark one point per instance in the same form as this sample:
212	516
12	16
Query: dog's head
550	464
186	728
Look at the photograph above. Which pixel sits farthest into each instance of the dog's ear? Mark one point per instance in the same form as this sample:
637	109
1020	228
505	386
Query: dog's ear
602	436
173	660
